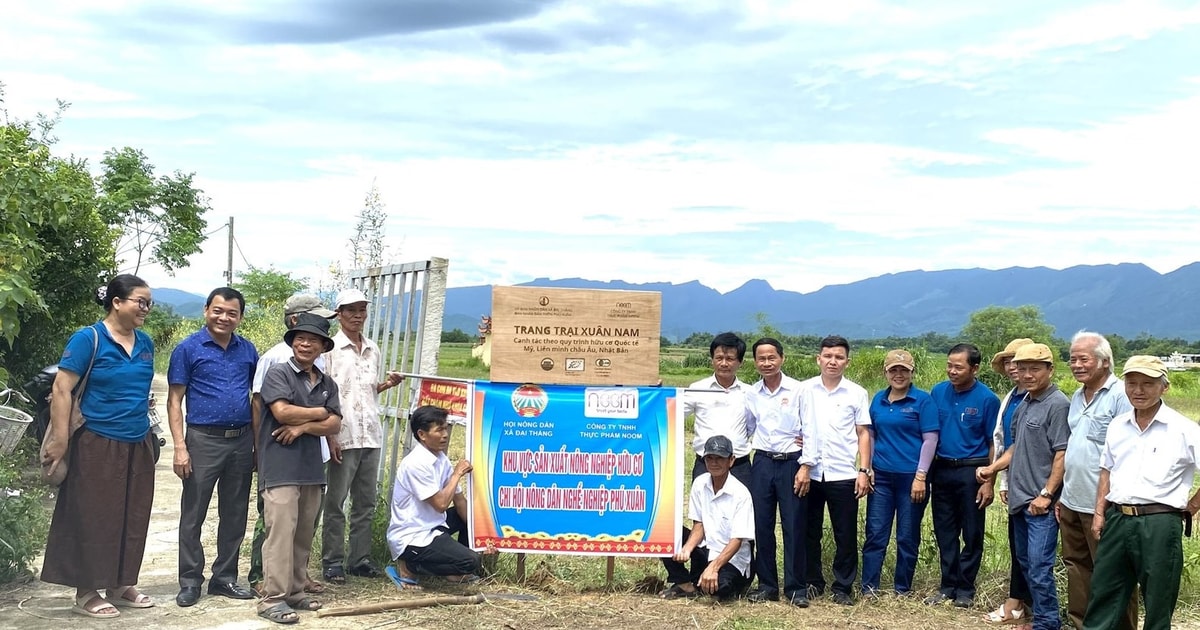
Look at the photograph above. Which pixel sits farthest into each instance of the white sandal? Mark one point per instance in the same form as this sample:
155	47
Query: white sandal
999	617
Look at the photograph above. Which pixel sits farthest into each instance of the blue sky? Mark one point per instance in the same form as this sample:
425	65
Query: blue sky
804	143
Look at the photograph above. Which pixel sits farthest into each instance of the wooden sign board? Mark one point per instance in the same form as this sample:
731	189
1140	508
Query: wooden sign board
575	336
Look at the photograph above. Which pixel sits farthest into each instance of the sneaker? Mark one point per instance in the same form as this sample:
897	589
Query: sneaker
334	574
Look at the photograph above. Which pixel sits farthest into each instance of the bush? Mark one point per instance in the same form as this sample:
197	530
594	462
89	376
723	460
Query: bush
23	520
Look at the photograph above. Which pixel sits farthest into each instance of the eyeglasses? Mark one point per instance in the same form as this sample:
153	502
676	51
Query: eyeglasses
142	303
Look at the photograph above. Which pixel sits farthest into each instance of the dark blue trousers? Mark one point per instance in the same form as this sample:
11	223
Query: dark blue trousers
771	487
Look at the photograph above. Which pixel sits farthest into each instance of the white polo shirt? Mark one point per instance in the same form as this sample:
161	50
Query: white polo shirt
726	515
775	415
421	475
835	416
722	412
1157	465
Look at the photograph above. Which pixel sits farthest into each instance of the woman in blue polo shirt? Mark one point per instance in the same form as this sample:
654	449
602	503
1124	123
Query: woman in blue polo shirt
904	424
98	531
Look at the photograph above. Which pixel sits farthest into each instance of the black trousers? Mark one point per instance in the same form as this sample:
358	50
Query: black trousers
772	483
444	555
958	526
843	519
226	465
730	581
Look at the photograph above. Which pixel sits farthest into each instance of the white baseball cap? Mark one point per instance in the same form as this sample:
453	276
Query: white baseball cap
349	296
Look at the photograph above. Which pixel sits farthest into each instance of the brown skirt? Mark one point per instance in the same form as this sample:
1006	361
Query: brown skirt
102	514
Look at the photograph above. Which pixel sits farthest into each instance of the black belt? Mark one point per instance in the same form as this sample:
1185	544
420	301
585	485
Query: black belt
959	463
223	432
779	457
1149	509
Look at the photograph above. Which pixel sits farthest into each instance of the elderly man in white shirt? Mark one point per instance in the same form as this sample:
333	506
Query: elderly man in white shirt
354	364
1099	399
839	410
1147	470
775	414
718	406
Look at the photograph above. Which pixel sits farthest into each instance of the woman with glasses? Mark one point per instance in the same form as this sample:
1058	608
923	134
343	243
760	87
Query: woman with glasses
98	531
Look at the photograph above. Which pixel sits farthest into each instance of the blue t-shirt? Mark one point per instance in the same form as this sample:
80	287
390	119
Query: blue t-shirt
966	418
217	379
115	403
898	427
1014	401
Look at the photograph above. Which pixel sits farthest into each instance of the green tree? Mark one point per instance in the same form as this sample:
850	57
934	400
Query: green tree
993	327
456	336
159	217
268	288
55	249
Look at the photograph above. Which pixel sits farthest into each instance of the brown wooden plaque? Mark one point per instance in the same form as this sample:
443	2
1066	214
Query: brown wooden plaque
575	336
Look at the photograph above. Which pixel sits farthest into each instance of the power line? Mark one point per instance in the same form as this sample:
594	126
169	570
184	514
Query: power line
238	246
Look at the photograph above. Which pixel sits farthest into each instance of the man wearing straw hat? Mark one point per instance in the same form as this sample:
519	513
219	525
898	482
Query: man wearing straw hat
354	364
1035	464
1147	469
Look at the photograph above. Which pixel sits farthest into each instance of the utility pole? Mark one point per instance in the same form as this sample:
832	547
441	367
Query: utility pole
229	261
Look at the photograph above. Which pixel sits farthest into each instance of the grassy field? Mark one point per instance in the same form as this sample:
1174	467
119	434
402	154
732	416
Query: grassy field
582	577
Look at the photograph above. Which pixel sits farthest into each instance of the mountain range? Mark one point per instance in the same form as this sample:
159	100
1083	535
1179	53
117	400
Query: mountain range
1127	299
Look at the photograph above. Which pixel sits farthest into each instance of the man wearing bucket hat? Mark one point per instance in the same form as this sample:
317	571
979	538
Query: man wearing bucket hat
1100	398
300	404
1035	464
280	353
1015	608
718	544
354	364
1147	469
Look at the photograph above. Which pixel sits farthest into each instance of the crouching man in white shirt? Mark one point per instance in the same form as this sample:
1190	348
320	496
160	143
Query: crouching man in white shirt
718	543
427	506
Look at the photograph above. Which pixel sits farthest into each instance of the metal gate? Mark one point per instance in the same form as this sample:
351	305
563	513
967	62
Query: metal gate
407	305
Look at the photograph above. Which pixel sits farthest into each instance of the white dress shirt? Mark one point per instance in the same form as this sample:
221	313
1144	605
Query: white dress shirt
1157	465
775	415
726	515
722	412
421	475
835	417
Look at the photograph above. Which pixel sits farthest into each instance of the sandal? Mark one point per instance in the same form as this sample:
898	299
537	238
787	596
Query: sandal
119	597
307	603
1001	617
402	582
95	607
677	592
280	613
335	575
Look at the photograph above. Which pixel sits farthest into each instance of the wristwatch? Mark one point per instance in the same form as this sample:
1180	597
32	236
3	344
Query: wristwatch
866	471
1045	493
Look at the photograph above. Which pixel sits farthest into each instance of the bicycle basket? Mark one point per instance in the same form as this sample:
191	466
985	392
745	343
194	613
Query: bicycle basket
13	423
